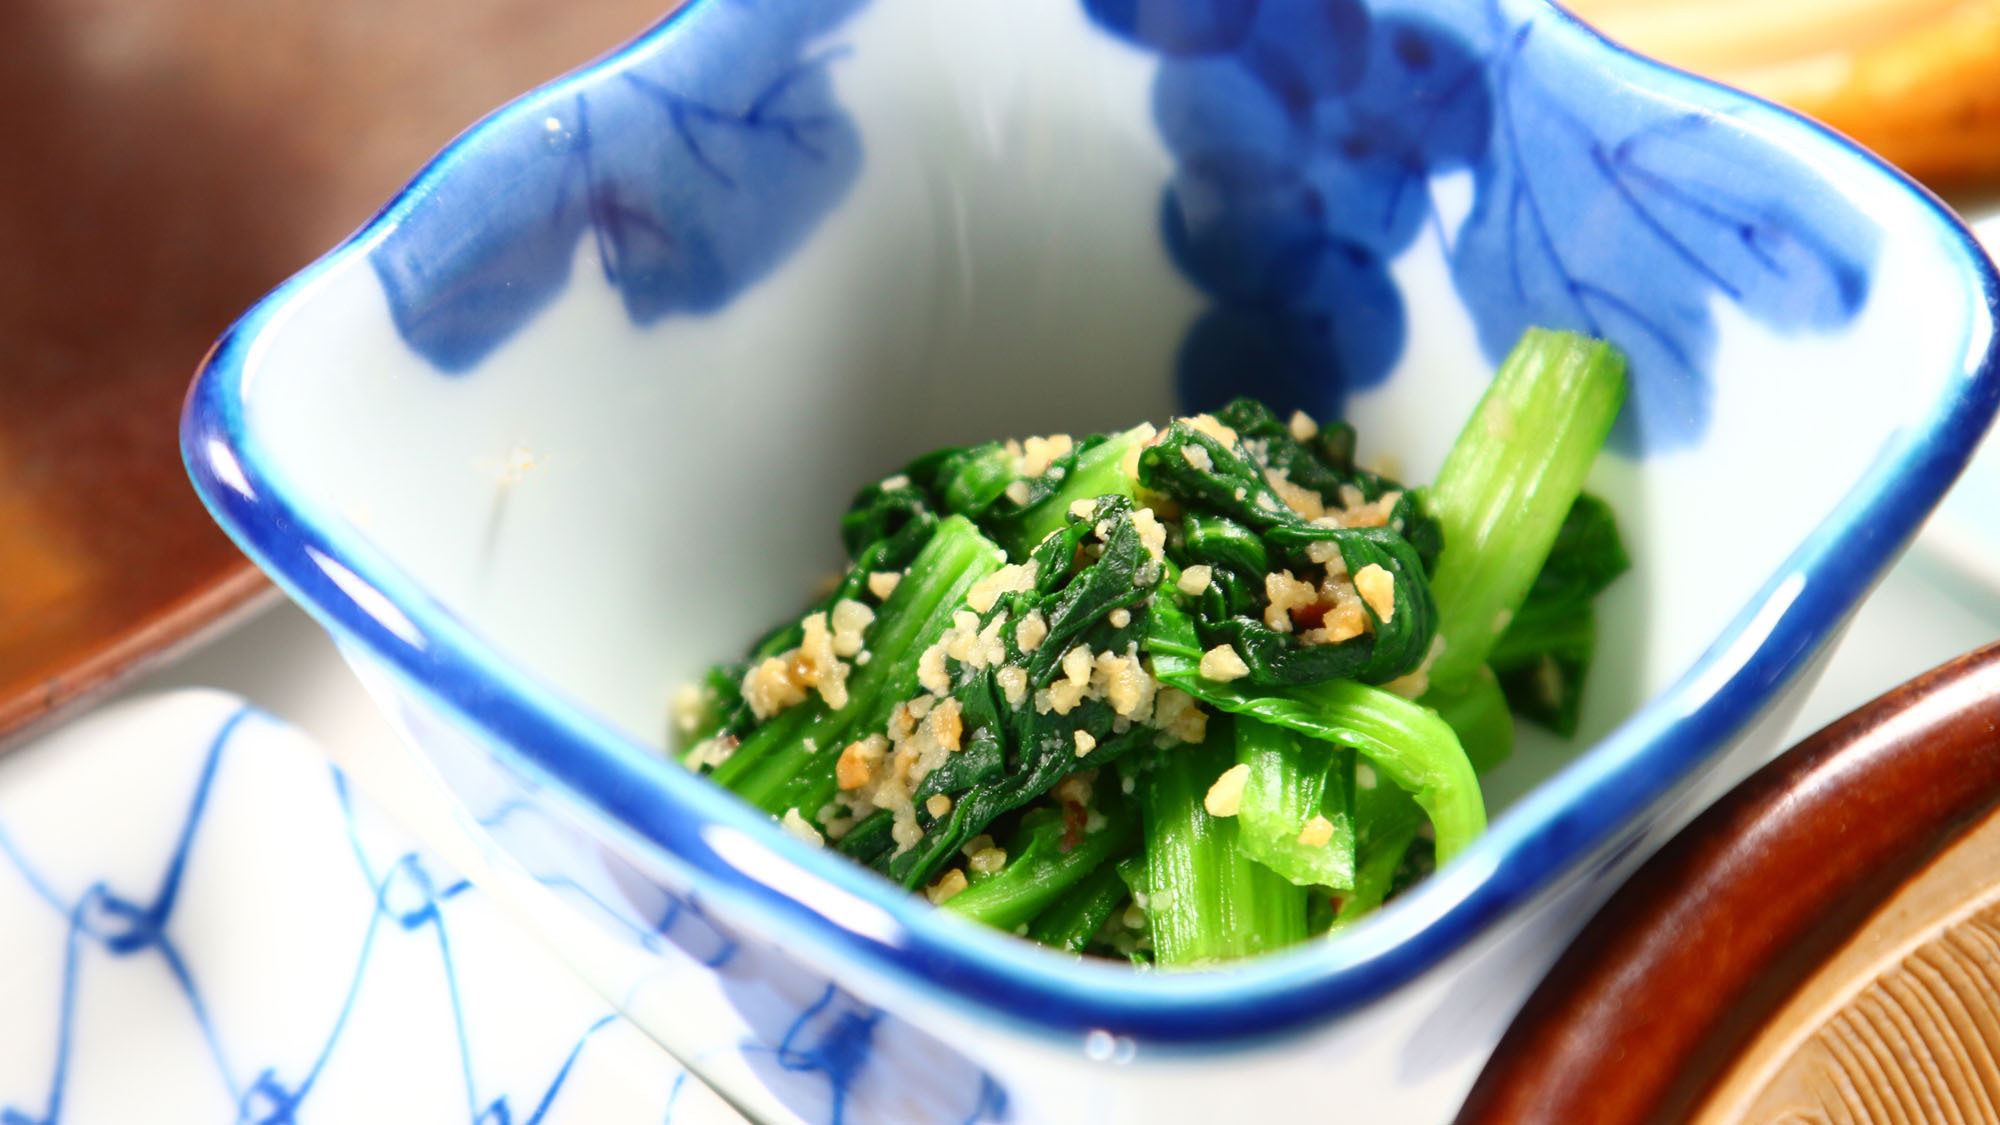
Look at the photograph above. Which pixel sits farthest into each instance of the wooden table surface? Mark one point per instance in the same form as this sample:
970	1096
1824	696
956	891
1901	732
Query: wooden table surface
165	165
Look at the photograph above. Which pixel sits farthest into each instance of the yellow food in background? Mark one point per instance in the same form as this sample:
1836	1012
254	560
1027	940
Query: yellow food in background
1918	81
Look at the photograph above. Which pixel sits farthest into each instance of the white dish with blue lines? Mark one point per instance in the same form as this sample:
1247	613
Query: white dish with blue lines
202	922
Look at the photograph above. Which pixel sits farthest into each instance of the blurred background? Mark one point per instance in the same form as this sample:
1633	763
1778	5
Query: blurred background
1918	81
166	164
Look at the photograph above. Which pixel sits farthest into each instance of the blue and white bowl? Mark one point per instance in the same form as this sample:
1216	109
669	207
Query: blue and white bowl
572	416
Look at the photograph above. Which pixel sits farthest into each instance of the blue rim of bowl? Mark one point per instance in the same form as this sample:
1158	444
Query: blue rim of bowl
831	913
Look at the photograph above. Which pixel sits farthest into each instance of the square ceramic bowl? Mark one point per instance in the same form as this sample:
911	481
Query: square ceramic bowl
574	413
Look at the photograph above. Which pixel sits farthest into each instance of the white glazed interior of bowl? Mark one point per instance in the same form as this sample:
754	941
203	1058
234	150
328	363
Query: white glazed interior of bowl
614	506
996	270
615	493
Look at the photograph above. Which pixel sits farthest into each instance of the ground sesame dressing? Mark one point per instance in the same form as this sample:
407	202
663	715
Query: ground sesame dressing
886	769
1003	703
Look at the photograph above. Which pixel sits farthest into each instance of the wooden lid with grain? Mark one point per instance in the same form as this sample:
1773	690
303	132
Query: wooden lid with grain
1821	945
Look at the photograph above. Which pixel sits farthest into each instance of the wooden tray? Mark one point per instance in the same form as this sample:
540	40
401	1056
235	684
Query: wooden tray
1822	945
166	164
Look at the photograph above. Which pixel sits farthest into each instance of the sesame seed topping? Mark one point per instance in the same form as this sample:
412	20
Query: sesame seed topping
1222	664
801	829
948	884
1317	832
1377	587
1195	579
1207	424
1225	797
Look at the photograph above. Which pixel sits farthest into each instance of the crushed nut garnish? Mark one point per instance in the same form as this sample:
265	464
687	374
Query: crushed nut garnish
1032	631
948	884
849	619
1225	797
1013	683
1377	587
857	763
1222	664
1208	424
1195	579
1178	717
1286	593
1303	501
770	688
801	828
1317	832
1010	579
1037	453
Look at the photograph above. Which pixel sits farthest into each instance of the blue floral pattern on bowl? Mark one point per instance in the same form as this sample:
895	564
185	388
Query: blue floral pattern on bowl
1301	174
694	173
1308	135
821	1054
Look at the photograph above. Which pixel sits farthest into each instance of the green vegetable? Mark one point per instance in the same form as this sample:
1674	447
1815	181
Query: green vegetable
1409	744
1207	901
1194	467
1389	822
1050	855
1477	712
1544	654
788	761
1292	782
870	841
1080	914
1099	470
1014	754
1324	464
1079	647
1508	484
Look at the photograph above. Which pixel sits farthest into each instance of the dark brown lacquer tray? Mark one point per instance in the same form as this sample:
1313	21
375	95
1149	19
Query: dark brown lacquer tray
166	164
1823	945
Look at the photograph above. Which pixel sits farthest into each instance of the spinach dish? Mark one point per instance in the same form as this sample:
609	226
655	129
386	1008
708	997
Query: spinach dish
1184	694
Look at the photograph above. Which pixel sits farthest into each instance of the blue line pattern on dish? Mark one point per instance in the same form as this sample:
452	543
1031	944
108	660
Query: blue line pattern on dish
812	1044
1300	175
824	1054
408	895
696	172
